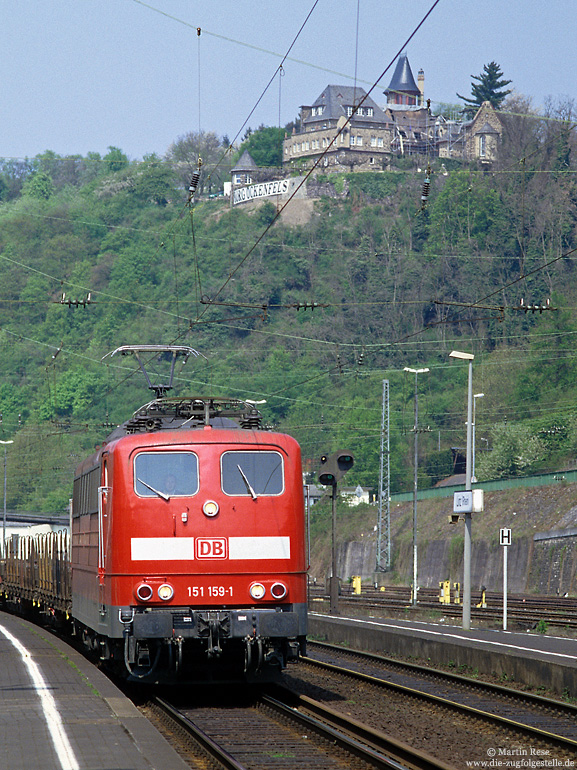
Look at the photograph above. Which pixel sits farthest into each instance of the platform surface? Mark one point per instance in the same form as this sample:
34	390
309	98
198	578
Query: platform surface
59	712
537	660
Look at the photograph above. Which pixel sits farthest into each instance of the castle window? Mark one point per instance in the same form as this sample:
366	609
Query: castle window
370	112
482	146
349	112
373	141
380	142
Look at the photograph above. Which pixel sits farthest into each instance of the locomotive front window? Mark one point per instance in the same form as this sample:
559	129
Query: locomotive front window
252	473
166	474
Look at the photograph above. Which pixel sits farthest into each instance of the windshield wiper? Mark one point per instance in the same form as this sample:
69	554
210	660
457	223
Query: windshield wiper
249	489
163	495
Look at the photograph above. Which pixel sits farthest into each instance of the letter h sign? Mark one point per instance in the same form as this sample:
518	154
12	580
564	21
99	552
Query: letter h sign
504	536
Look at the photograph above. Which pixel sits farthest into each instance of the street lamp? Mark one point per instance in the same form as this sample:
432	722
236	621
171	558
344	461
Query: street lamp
4	519
416	372
468	518
475	397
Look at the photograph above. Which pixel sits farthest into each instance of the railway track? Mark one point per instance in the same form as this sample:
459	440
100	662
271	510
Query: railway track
527	611
281	729
506	719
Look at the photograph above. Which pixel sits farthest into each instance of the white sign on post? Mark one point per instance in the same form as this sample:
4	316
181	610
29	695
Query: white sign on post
462	502
505	540
472	501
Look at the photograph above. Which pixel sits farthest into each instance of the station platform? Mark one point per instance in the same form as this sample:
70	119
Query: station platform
535	660
59	712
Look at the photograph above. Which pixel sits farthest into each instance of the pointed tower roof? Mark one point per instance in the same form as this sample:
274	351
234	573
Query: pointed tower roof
245	163
487	129
402	80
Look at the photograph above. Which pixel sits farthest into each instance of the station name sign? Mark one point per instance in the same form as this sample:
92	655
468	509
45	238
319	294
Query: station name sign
262	190
469	502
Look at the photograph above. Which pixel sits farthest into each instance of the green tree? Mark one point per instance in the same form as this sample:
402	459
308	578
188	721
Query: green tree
488	88
265	146
154	181
115	160
39	185
514	449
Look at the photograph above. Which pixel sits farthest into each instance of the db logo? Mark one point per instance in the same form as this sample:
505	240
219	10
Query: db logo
211	548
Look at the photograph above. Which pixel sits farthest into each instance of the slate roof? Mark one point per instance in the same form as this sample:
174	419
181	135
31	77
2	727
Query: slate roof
245	163
403	79
487	129
336	99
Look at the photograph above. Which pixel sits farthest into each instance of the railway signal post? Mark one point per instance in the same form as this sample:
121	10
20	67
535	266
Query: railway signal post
332	469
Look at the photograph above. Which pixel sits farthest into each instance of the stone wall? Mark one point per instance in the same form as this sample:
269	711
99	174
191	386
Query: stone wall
544	565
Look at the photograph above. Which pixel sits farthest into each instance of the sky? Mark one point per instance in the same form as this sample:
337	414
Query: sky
78	76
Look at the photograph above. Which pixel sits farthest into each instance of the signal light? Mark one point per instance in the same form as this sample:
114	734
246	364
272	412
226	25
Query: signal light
453	518
144	592
334	467
278	590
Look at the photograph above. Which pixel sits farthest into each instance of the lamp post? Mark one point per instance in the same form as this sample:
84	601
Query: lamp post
4	519
475	397
416	372
468	518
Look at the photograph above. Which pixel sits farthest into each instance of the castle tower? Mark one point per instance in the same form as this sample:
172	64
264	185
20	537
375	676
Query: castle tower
402	88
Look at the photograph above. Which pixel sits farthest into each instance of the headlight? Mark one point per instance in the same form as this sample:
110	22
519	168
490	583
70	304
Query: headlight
165	592
257	590
210	508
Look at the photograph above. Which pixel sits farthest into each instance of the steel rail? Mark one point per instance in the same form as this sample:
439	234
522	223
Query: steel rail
375	748
459	679
358	740
214	751
566	744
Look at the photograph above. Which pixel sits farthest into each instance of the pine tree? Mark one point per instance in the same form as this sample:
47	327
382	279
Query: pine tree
487	89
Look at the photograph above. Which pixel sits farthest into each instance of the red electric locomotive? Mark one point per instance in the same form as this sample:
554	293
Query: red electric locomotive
188	549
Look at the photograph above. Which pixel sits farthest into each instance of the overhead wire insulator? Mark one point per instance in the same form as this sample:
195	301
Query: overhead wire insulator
194	181
426	189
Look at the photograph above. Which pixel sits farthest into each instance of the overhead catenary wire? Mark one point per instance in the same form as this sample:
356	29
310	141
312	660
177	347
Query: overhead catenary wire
479	301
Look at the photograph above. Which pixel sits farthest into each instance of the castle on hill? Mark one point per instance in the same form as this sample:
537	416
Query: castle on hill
351	131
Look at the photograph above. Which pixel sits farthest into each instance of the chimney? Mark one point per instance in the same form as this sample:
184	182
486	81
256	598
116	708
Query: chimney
421	86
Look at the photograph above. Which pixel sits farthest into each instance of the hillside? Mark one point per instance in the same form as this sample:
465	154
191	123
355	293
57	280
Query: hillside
97	252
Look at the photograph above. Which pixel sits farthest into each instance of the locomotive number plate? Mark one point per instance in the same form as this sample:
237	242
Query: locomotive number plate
197	592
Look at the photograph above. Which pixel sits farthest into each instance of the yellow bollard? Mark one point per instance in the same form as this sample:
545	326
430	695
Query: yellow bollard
356	584
445	592
483	603
457	587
